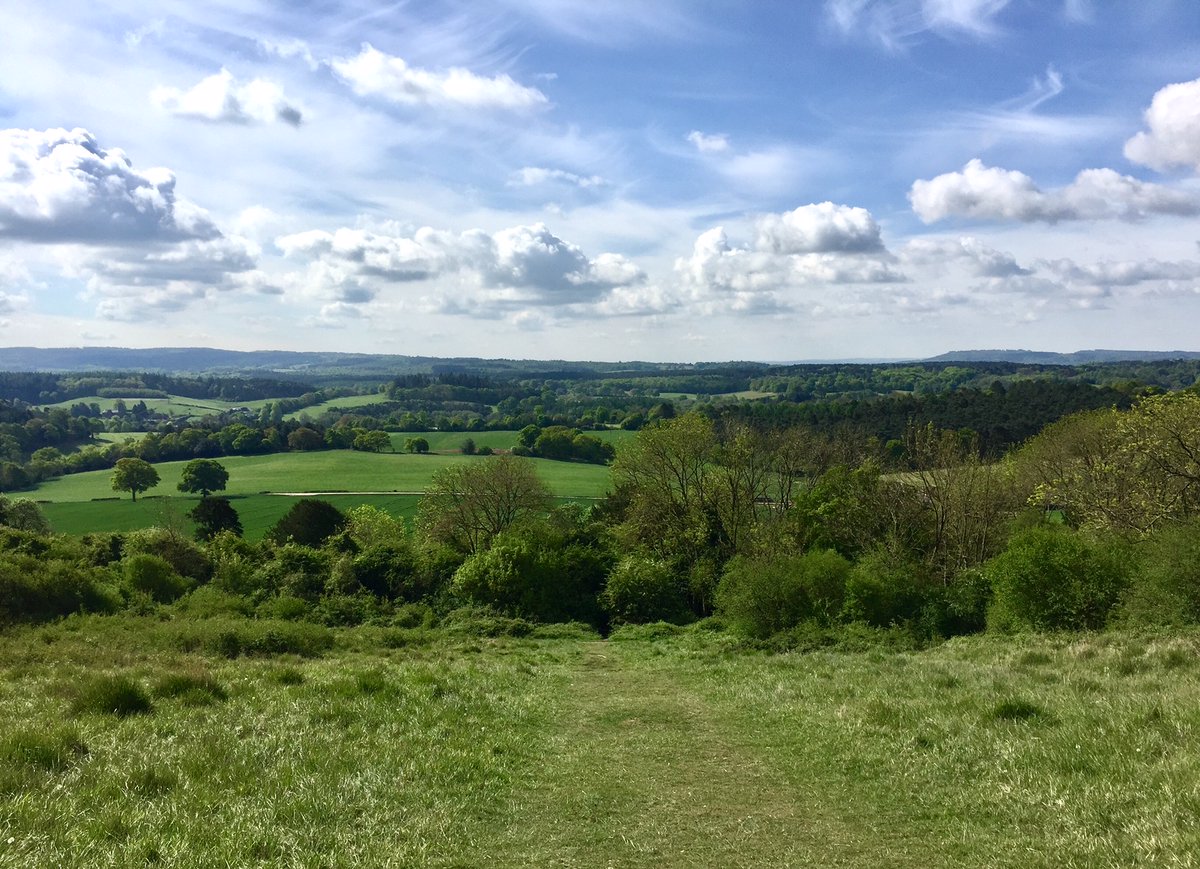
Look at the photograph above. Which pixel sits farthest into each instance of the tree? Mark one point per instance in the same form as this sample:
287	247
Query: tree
204	476
214	515
305	438
133	476
416	445
374	441
310	522
467	505
468	447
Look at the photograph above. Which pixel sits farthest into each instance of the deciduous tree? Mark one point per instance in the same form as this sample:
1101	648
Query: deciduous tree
133	476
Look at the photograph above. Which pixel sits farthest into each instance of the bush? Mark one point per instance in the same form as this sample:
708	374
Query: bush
153	576
112	695
1165	587
884	589
642	589
33	590
309	522
184	556
209	602
1052	578
760	597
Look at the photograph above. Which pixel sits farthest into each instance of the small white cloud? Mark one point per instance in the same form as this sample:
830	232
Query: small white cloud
372	73
819	228
709	143
221	99
1173	137
981	260
289	49
533	176
989	193
61	186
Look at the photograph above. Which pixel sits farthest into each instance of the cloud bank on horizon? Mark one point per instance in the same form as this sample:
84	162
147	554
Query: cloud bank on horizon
558	178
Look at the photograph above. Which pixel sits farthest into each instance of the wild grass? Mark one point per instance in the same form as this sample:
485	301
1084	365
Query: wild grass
496	745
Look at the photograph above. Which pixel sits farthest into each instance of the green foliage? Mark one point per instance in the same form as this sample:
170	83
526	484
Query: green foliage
1165	586
154	576
1051	578
214	515
204	476
416	445
133	476
24	515
642	589
35	589
761	597
372	441
885	588
192	689
310	522
112	695
184	556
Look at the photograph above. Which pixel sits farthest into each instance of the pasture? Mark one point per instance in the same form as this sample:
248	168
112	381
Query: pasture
134	740
78	503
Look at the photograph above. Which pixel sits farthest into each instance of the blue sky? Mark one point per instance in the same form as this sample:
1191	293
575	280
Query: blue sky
572	179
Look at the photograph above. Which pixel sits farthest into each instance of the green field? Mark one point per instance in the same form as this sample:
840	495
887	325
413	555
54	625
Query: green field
78	503
415	748
349	402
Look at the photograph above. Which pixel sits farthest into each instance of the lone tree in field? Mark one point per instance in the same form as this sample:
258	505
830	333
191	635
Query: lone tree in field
214	515
416	445
467	505
204	476
133	476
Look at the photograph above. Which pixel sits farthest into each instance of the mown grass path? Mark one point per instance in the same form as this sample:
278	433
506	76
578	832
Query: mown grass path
643	770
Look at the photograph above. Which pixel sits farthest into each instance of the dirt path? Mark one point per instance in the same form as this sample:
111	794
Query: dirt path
644	772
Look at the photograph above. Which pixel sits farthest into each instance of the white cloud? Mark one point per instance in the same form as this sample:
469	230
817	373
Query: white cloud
533	176
981	260
221	99
895	23
810	249
289	49
1173	138
988	193
708	143
819	228
61	186
1128	273
478	273
372	73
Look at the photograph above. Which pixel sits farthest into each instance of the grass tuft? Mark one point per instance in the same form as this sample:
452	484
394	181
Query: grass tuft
191	689
1017	709
52	750
112	695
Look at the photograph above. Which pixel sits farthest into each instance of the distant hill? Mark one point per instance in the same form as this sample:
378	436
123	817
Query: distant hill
1079	357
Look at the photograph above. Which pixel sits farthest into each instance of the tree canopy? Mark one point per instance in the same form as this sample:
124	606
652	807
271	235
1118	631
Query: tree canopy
133	476
204	476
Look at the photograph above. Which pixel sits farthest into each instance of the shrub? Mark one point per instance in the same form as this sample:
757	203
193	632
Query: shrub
1165	587
760	597
184	556
472	621
309	522
1052	578
209	602
33	590
642	589
153	576
112	695
885	589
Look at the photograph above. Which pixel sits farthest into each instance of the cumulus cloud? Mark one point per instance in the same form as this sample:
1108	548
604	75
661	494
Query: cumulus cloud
1173	135
981	260
819	228
708	143
1183	274
533	176
373	73
133	284
221	99
895	23
813	247
519	268
62	186
989	193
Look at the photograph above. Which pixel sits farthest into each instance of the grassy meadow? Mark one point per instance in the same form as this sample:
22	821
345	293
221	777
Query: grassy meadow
131	740
79	503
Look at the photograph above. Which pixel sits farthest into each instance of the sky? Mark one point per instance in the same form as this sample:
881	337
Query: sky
676	180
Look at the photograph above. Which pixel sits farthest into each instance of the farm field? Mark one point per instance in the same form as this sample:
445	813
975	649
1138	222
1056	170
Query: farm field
78	503
452	441
657	747
348	402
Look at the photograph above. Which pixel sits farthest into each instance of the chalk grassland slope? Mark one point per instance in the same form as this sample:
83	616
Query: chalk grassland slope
452	441
412	748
